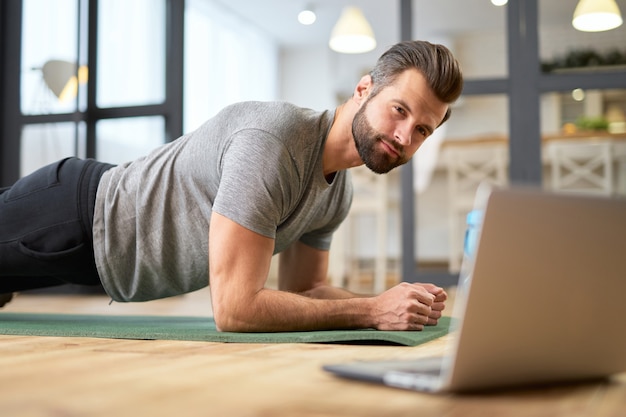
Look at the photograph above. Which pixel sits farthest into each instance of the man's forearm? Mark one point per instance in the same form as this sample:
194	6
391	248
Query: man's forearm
276	311
403	307
329	292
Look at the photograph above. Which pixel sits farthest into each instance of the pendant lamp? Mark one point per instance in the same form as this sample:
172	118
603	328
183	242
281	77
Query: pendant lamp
352	33
596	15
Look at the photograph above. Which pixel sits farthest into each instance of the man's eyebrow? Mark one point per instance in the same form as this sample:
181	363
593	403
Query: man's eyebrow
428	127
404	104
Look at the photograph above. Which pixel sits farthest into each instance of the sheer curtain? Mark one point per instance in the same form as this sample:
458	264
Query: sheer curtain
49	32
227	60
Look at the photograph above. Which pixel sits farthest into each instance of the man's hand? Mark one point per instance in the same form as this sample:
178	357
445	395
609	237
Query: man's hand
408	307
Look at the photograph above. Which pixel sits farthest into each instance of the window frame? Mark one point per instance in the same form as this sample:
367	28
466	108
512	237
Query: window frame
12	120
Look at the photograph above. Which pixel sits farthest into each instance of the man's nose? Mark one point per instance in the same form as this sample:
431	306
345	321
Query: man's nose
403	133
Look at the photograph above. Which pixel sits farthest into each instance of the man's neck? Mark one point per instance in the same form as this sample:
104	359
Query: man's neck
340	151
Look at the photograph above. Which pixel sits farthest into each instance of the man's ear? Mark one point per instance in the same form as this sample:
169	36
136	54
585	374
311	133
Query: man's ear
362	89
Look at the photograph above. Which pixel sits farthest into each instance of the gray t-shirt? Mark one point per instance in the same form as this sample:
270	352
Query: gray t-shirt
258	164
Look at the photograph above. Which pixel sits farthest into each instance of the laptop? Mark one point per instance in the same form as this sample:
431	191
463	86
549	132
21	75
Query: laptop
545	301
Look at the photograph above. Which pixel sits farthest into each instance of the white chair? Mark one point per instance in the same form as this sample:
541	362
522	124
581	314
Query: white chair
582	166
371	199
620	183
469	166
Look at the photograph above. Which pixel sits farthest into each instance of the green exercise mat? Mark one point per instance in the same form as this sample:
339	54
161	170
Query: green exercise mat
195	329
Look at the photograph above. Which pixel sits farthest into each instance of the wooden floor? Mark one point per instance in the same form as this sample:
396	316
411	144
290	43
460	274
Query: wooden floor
51	376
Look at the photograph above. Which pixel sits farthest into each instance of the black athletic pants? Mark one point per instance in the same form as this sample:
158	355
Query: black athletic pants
46	227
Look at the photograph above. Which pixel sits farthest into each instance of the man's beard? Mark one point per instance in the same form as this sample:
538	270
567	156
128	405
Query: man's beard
366	140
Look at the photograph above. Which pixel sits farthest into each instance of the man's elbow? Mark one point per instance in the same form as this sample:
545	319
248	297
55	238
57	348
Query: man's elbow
227	320
229	326
222	322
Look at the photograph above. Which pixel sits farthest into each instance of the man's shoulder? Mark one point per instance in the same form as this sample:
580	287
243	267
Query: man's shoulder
285	121
263	105
272	110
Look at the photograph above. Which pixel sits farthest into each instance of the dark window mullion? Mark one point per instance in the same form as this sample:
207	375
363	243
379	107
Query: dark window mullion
100	113
10	126
174	58
524	109
487	86
92	64
589	80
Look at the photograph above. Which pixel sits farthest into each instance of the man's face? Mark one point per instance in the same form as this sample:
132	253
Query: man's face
390	126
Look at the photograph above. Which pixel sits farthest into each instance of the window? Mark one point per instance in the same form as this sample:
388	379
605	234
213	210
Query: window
131	53
227	60
94	79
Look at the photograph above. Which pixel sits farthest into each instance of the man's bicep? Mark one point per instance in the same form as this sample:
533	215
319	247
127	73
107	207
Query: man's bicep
248	193
239	262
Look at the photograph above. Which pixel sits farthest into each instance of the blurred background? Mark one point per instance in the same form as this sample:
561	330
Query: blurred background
544	102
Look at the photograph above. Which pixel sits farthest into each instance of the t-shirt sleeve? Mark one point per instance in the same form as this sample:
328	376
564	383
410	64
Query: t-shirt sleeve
336	213
256	180
321	238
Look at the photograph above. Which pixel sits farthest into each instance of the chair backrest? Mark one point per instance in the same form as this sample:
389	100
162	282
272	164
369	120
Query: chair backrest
471	165
582	166
370	190
370	200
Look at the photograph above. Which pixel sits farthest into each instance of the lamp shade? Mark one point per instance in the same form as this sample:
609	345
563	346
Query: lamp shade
57	73
352	33
60	77
596	15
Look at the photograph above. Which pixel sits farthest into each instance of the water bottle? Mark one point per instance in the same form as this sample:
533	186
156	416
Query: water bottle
474	221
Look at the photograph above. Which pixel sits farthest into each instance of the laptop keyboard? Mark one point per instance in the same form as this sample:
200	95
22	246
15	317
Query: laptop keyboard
426	366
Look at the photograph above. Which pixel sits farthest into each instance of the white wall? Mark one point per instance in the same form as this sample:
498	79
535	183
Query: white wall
319	78
225	57
306	78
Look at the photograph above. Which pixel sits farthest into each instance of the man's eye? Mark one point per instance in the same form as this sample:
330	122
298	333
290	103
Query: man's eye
399	109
